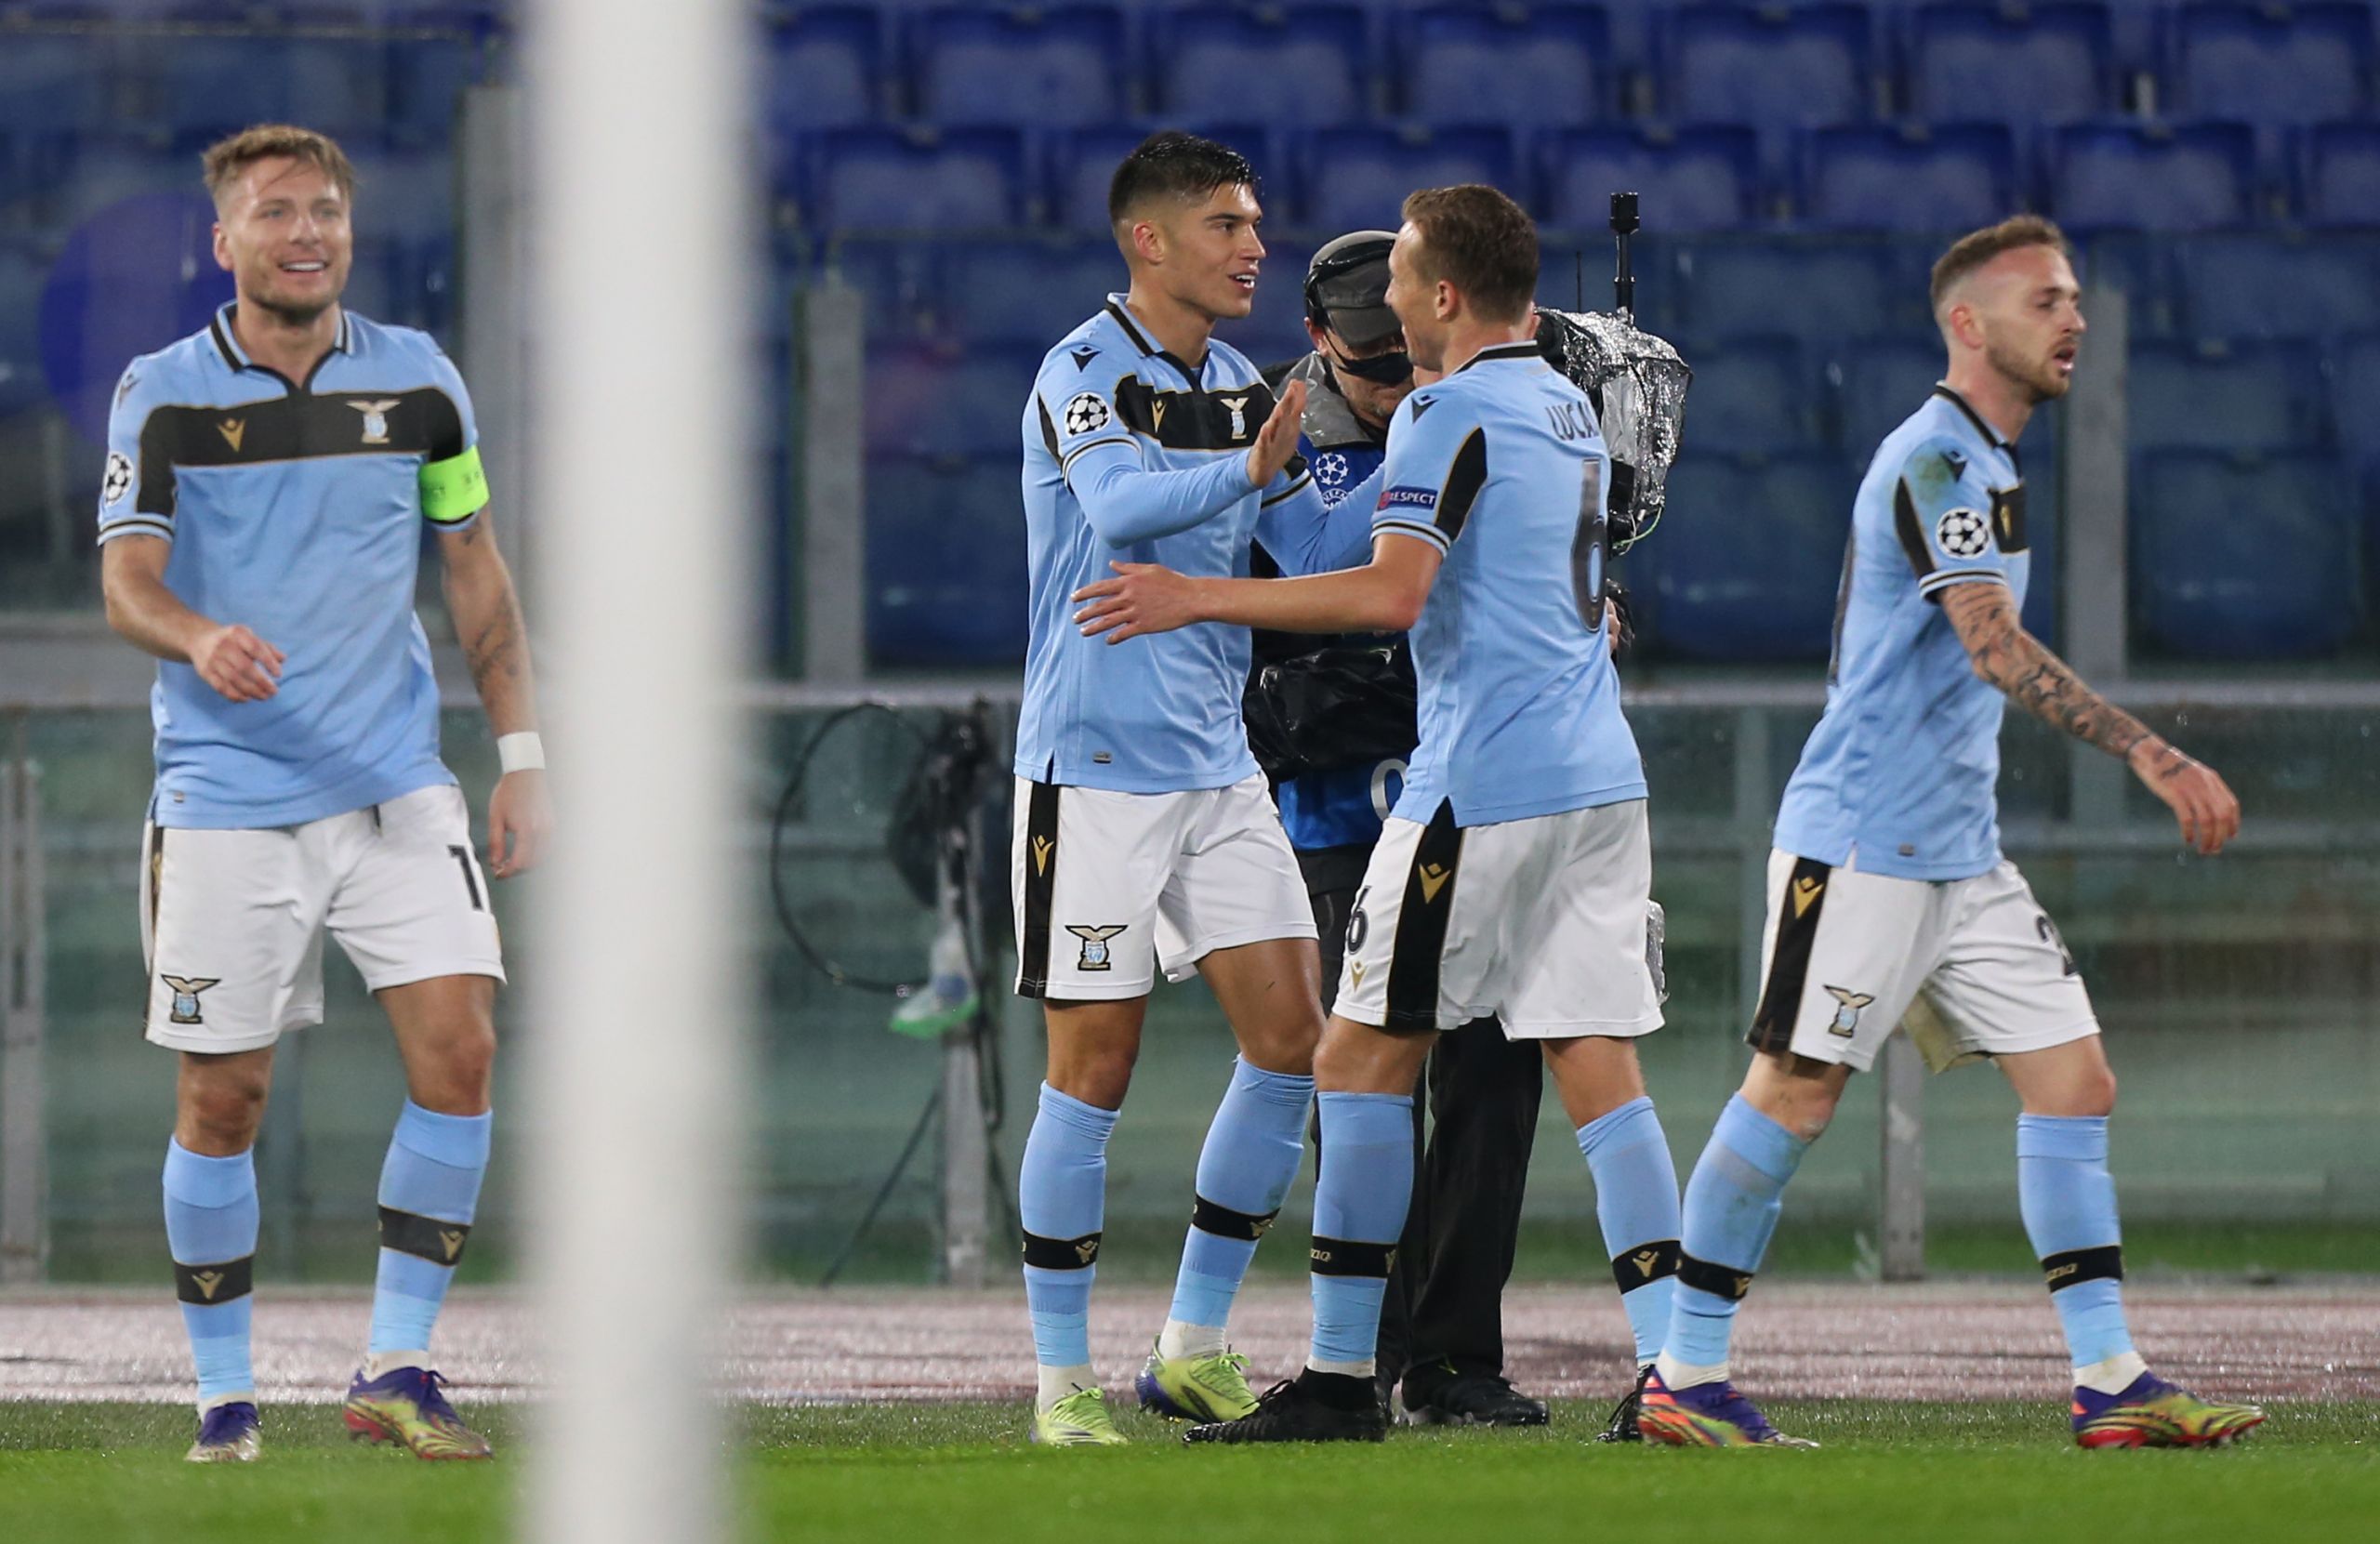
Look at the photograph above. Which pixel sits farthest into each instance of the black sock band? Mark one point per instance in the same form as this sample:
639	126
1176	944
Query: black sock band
206	1285
1208	1217
1644	1265
1346	1257
1062	1254
409	1232
2104	1264
1720	1281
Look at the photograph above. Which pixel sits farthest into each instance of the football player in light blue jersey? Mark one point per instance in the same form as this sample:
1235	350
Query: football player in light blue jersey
267	485
1513	875
1890	904
1145	837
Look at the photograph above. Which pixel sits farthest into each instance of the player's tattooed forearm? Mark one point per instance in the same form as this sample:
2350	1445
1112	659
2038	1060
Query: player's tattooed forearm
495	652
2035	678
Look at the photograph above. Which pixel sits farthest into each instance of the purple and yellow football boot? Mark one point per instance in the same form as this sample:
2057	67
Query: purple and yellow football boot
2153	1413
1708	1415
407	1406
228	1434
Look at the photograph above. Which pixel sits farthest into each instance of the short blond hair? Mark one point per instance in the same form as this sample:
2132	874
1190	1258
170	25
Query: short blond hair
1977	247
226	159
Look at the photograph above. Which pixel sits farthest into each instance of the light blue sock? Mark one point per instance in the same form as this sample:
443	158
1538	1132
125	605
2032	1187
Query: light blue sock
1732	1204
2069	1201
1244	1174
429	1190
1637	1204
1362	1190
1060	1202
211	1228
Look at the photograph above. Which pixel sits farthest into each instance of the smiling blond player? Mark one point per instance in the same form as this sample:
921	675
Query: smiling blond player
268	482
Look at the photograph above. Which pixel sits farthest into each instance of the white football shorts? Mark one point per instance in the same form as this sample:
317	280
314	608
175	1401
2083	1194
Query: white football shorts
1974	968
1540	922
232	921
1110	886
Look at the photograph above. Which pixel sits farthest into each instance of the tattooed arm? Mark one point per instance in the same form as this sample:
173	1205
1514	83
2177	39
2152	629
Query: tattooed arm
1983	616
487	620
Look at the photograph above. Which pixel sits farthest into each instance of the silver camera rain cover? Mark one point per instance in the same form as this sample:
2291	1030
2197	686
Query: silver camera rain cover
1638	383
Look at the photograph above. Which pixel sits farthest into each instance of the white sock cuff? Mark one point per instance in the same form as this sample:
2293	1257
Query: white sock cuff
1364	1370
379	1363
1057	1384
1178	1340
1675	1374
2114	1374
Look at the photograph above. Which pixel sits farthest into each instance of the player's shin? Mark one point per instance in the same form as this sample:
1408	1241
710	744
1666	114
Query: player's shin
2068	1202
211	1228
1636	1201
1245	1171
1732	1203
1362	1188
430	1191
1062	1200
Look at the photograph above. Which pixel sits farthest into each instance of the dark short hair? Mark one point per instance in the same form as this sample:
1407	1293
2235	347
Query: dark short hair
1173	164
1977	247
1479	241
226	159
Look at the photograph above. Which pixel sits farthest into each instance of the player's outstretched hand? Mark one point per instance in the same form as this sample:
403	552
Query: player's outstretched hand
1278	441
238	663
1145	598
2202	802
520	818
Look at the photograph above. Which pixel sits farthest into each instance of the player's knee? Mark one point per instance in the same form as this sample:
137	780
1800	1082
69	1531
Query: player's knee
458	1077
1099	1075
2095	1093
220	1109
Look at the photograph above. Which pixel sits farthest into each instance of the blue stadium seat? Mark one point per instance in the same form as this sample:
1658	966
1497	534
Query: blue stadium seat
1082	161
107	169
2355	397
1027	292
899	284
429	73
2341	175
929	400
404	226
1951	177
57	81
1692	180
915	179
1758	289
1064	65
1772	67
1527	64
2279	286
1295	68
212	81
21	276
1878	384
1357	178
2244	558
2018	65
824	67
1746	564
2272	63
2227	397
1755	395
945	561
2137	176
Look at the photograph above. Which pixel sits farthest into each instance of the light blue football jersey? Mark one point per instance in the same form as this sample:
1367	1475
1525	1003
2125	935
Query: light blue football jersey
1133	455
296	508
1502	467
1899	776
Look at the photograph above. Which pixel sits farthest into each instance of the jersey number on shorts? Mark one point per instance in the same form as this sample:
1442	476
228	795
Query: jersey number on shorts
1590	548
2051	936
469	878
1359	925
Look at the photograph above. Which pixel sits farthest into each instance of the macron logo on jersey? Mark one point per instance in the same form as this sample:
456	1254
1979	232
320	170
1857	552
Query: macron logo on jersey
1409	498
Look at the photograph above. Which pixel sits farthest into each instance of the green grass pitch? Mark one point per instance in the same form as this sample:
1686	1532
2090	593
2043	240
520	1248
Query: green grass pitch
1909	1473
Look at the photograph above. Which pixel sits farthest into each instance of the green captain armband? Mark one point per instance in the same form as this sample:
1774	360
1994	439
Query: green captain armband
453	490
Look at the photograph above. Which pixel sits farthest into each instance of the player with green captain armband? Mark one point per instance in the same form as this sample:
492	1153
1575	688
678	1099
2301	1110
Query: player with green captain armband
260	514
